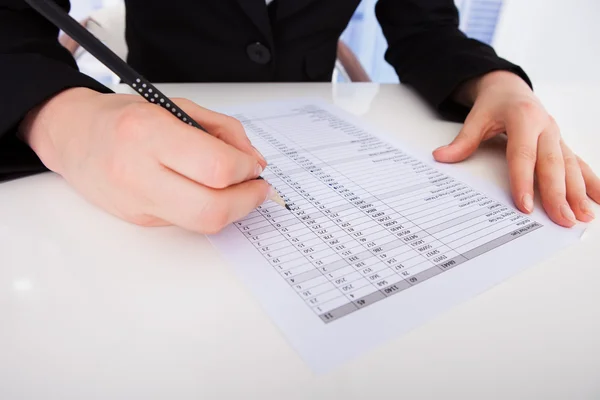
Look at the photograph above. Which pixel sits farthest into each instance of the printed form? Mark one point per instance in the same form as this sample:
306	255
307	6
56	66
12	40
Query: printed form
378	241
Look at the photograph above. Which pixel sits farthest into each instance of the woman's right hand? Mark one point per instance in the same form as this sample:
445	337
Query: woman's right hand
138	162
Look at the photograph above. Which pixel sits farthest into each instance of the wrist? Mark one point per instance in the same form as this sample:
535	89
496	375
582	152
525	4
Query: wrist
468	92
42	125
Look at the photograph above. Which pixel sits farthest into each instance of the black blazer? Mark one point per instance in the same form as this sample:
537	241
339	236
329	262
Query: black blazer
234	41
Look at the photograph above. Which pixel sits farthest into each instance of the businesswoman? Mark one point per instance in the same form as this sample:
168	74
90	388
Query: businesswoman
136	161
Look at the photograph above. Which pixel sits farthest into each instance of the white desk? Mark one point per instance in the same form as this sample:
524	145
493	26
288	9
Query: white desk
94	308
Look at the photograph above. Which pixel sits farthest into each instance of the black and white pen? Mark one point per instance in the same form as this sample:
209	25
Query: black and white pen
62	20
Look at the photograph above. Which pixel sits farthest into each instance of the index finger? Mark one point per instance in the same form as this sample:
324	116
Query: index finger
201	157
521	154
224	127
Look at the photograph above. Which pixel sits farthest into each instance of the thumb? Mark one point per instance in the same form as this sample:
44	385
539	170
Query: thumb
465	143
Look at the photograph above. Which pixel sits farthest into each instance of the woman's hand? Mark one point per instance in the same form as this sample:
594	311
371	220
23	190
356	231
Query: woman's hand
138	162
504	103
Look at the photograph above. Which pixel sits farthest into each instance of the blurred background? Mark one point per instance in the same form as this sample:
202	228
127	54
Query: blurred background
553	40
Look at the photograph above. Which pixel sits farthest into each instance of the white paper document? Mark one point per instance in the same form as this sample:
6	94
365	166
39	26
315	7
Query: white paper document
378	241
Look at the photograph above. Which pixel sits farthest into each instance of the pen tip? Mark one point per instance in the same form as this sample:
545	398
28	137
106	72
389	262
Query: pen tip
277	199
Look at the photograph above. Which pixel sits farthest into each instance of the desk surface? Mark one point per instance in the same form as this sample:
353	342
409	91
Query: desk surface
95	308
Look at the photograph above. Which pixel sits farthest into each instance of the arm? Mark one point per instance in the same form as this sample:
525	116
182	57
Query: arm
35	67
351	64
432	55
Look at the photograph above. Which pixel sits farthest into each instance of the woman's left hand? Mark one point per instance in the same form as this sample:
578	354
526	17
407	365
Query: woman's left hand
504	103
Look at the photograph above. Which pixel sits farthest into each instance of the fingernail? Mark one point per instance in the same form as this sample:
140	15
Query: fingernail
258	170
442	147
259	155
586	207
271	194
566	212
528	202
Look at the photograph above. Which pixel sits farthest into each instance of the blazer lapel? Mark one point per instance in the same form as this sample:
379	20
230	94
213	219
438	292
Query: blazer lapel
257	11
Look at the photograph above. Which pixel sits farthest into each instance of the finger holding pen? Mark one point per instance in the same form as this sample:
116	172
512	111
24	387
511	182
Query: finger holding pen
204	158
230	131
224	127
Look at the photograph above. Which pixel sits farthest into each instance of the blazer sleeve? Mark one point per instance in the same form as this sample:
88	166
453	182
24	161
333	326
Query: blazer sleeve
431	54
33	68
